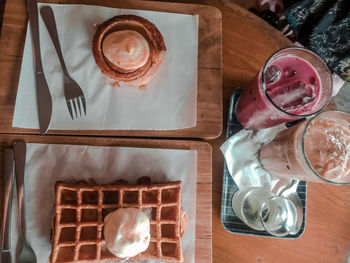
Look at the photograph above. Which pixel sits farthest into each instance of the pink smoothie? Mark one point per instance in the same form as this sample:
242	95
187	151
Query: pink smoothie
292	90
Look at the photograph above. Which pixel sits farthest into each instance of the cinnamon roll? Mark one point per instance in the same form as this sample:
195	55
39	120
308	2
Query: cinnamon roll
129	49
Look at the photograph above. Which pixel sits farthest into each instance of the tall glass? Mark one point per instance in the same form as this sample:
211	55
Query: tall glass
294	83
314	150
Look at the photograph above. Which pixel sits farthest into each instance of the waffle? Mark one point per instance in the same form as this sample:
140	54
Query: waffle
81	209
157	47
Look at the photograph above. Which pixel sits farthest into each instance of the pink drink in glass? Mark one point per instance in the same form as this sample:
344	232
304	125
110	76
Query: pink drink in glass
294	83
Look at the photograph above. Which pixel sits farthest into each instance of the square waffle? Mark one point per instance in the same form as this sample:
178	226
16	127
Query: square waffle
81	209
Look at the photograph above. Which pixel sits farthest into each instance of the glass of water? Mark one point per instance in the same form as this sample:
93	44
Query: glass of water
261	209
246	204
279	216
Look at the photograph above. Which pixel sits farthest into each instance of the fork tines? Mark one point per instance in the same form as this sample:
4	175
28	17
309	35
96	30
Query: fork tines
76	102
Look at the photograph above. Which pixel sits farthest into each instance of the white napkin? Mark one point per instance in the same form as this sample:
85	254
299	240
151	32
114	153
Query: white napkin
49	163
169	101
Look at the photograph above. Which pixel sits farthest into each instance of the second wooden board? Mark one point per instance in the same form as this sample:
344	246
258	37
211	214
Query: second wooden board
203	233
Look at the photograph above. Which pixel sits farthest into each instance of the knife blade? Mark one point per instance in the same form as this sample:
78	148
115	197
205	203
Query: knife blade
44	100
8	177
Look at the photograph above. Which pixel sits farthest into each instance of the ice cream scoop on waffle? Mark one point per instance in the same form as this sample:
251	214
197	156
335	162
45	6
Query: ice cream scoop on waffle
81	208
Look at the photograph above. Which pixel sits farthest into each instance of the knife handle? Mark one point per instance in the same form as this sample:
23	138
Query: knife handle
8	177
32	6
44	101
19	148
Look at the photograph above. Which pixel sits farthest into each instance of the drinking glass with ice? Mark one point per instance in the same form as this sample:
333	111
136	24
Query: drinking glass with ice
315	150
294	83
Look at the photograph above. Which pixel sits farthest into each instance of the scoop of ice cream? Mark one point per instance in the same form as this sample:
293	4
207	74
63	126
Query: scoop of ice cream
126	49
127	232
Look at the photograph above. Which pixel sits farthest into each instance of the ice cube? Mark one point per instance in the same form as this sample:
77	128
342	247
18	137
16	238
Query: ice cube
288	73
334	152
296	95
327	146
272	74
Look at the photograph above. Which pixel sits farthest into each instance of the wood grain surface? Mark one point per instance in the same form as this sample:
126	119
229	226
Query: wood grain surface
203	243
209	92
247	42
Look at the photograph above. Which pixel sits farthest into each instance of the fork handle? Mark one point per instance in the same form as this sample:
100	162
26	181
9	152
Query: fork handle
49	20
6	220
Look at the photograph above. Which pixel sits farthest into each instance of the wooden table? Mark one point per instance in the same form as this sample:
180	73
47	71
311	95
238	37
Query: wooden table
247	42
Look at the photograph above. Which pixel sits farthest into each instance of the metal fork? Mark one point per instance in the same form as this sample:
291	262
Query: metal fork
72	91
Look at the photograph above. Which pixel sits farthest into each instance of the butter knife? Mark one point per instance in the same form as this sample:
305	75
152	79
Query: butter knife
8	178
26	253
19	149
44	101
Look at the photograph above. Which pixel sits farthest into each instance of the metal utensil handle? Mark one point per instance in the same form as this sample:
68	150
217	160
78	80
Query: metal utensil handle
34	27
49	20
5	243
19	148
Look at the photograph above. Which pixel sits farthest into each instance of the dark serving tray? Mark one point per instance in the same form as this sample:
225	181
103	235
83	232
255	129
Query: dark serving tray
228	218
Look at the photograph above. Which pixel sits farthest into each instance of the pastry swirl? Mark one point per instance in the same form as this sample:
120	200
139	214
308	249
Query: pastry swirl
138	63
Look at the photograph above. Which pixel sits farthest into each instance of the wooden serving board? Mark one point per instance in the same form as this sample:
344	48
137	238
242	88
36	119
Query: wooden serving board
209	91
203	246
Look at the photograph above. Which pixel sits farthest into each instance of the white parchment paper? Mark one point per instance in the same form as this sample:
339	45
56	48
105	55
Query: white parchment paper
49	163
169	101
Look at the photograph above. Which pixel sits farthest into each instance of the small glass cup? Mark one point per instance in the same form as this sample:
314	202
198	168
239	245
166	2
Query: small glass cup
246	205
314	150
261	210
279	216
294	83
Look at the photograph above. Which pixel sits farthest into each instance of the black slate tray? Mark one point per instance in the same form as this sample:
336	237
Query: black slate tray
228	218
